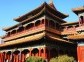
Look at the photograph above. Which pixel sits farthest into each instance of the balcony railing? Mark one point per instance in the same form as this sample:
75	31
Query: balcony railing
53	30
69	31
32	30
25	32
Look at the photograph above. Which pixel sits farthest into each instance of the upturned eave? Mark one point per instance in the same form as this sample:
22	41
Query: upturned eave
34	38
78	10
32	13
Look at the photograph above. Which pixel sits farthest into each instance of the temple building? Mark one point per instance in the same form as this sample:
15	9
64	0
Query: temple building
74	32
43	33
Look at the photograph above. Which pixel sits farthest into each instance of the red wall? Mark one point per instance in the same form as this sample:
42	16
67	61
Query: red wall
80	53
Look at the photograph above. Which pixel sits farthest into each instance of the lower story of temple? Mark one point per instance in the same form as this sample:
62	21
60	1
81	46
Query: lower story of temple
45	50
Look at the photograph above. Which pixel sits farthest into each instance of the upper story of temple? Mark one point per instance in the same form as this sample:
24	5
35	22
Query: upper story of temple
46	18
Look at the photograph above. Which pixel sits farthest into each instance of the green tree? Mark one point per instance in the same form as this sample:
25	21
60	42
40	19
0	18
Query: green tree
34	59
62	58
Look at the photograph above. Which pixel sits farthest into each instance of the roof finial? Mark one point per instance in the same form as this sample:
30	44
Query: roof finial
50	1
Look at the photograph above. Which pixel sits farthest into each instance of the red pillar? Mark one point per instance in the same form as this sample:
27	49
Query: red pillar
20	56
2	57
30	53
49	54
11	57
23	57
44	53
46	22
39	52
14	57
42	21
79	22
17	57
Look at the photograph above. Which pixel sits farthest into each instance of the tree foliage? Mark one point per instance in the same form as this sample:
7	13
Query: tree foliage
34	59
62	58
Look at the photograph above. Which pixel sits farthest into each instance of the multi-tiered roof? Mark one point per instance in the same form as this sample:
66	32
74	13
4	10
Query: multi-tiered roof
44	9
36	32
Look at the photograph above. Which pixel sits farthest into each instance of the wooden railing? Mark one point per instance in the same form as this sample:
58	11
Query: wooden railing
25	32
69	31
53	30
32	30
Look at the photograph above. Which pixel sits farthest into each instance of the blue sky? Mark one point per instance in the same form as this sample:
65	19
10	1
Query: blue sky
10	9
